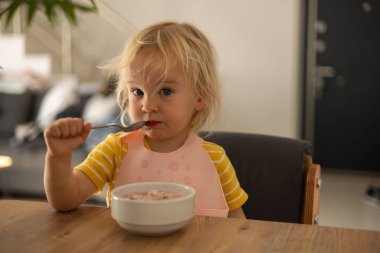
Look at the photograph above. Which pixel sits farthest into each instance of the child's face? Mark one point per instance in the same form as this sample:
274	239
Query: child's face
168	105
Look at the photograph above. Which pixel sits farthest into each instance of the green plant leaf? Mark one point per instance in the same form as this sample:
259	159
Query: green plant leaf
31	11
49	11
69	10
49	7
11	9
87	8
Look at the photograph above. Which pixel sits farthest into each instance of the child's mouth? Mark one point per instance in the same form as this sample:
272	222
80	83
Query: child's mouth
152	123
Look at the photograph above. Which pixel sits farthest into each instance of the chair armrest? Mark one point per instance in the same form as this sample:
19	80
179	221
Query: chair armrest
310	213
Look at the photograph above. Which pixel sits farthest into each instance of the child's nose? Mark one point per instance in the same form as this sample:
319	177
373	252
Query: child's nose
149	105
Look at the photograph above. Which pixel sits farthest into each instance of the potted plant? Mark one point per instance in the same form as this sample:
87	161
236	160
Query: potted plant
49	7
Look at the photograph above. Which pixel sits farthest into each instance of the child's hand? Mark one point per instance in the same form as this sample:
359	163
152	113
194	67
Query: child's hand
65	135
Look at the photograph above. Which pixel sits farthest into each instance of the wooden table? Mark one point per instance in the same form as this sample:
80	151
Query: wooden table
27	226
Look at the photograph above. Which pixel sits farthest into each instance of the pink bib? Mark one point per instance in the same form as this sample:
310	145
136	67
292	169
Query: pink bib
190	165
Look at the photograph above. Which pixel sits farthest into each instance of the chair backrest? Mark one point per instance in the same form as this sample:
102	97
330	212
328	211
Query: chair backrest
272	170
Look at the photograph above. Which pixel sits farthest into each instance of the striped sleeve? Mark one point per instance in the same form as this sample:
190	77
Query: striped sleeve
100	164
235	196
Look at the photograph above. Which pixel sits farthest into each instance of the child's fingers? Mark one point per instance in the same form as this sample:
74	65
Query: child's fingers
64	127
72	127
79	126
75	127
52	132
86	131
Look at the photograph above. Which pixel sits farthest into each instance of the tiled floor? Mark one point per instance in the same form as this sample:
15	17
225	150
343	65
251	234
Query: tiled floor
341	200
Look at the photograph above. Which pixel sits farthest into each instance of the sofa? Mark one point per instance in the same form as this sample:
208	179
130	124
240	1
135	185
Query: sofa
21	138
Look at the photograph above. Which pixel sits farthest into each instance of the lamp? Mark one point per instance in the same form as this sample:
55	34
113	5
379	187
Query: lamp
5	161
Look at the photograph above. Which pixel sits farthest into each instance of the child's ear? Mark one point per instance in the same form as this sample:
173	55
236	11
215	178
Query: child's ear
200	105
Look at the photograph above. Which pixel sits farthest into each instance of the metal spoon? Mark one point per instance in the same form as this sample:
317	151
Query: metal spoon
130	128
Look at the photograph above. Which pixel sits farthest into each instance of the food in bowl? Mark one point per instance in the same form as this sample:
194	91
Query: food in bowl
152	216
152	195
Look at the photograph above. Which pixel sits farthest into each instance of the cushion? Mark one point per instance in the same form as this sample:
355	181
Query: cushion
57	98
14	109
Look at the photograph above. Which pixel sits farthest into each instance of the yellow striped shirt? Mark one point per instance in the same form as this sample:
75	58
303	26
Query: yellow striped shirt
102	166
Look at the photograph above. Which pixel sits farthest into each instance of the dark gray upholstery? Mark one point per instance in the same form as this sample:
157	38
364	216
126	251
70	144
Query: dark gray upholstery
15	109
271	170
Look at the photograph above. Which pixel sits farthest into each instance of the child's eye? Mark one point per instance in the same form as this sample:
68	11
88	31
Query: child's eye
166	92
137	92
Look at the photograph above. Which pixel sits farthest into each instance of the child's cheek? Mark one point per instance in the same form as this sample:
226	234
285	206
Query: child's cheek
131	110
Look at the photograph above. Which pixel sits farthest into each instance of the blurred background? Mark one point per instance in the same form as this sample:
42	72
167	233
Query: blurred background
294	68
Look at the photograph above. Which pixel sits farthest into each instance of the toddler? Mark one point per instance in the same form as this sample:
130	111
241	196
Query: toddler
167	77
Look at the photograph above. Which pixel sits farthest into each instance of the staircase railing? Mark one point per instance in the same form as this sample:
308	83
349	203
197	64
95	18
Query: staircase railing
62	47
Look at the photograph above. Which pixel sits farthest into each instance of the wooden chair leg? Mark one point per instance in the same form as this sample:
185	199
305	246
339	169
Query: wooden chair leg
312	189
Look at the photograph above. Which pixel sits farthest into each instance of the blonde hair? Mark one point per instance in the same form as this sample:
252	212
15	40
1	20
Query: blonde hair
159	47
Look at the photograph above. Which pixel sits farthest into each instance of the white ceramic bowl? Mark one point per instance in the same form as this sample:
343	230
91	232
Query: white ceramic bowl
153	217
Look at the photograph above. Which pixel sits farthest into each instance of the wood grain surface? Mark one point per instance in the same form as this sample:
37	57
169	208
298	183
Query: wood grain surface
27	226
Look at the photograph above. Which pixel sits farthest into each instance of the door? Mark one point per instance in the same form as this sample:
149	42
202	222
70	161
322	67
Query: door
347	102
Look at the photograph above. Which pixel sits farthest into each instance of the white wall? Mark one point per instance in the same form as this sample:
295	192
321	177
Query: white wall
258	43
